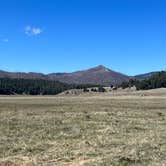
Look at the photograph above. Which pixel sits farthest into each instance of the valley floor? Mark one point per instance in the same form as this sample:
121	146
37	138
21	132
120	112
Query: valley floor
105	129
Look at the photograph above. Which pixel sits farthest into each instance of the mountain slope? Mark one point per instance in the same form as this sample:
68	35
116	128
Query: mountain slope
99	75
145	76
30	75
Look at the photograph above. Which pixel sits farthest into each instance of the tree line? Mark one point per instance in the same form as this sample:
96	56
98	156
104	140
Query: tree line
156	81
10	86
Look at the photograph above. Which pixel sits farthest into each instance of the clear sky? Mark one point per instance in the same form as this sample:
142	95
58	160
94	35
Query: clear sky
67	35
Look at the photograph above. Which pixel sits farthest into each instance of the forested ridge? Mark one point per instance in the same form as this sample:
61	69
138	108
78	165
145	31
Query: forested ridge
156	81
10	86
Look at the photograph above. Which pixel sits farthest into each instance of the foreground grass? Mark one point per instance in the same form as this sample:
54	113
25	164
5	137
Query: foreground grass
117	131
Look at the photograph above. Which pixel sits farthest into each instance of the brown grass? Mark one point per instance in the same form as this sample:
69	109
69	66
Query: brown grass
98	130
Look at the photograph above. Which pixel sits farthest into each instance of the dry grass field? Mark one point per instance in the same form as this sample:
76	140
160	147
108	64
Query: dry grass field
106	130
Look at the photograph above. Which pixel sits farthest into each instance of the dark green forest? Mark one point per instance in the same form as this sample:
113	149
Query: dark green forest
10	86
156	81
35	87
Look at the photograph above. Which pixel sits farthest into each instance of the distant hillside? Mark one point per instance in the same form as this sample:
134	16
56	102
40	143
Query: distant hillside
145	76
157	80
99	75
19	75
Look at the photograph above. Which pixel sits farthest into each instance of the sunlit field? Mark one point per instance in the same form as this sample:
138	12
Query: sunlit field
83	130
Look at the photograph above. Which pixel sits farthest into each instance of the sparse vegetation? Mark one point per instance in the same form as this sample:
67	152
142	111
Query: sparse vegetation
101	89
103	130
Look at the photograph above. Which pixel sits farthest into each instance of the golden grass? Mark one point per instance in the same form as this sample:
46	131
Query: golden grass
98	130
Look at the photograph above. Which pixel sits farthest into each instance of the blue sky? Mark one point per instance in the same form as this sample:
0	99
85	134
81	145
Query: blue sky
67	35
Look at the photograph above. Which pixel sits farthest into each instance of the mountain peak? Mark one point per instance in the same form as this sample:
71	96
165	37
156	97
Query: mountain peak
100	68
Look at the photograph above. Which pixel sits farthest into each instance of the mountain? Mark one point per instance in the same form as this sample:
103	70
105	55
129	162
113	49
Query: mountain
30	75
145	76
99	75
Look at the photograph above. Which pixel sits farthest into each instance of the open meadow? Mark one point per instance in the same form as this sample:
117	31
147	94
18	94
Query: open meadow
106	130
